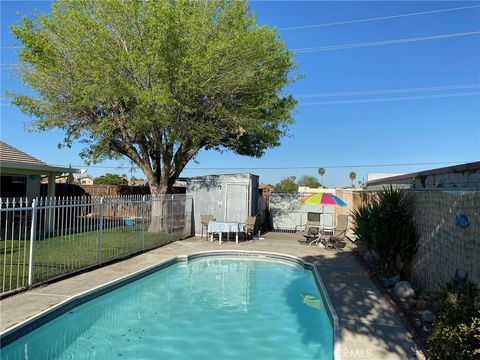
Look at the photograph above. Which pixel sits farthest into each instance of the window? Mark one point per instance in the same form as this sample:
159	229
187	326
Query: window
13	186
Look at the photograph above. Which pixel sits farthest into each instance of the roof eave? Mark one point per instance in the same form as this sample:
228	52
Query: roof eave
37	169
455	168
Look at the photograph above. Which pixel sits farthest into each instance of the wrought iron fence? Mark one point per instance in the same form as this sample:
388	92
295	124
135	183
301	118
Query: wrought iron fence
51	237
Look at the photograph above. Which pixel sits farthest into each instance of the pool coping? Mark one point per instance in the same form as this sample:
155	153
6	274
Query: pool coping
17	331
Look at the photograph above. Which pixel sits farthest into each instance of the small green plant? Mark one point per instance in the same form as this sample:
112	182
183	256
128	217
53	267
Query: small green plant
386	225
456	333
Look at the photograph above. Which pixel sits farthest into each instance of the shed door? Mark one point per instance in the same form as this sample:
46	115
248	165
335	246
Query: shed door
236	203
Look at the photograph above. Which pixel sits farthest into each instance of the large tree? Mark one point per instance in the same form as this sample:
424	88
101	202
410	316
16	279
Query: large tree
286	185
110	179
309	181
156	81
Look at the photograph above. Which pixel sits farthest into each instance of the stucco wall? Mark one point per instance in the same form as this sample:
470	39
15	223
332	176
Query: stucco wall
288	214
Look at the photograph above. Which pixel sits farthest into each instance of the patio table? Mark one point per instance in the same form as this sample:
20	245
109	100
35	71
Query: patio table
224	227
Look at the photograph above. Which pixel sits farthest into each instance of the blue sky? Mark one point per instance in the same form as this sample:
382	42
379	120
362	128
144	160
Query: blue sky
339	132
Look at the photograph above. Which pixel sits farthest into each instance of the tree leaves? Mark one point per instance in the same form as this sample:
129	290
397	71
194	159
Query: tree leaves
156	81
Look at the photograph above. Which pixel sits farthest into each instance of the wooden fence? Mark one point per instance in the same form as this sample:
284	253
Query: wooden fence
444	245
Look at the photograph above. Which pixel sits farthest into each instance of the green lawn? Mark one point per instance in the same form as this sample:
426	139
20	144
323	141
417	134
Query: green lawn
60	255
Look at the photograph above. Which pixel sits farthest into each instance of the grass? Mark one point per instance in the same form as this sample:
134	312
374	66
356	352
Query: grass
61	255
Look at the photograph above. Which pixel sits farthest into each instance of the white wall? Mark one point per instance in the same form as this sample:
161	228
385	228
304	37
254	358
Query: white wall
229	197
287	213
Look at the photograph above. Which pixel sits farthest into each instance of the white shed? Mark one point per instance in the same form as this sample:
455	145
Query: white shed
228	197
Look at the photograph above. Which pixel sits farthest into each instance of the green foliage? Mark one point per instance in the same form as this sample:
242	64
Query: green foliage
386	225
286	185
456	342
310	181
156	81
110	179
456	332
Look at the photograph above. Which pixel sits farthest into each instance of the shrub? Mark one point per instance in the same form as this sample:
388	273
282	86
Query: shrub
456	333
386	225
456	342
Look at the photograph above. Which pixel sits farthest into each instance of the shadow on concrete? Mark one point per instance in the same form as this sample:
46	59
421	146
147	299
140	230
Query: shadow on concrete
365	317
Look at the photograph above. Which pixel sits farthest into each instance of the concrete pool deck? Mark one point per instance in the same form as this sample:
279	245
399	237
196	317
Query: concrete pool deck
369	326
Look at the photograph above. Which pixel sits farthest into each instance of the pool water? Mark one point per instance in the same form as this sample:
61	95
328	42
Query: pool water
208	308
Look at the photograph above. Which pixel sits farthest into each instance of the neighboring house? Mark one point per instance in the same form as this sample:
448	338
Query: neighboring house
21	173
458	177
138	182
306	189
86	180
60	179
265	189
377	176
178	188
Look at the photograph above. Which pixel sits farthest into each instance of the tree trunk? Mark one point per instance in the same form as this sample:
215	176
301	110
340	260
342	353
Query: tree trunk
161	209
161	171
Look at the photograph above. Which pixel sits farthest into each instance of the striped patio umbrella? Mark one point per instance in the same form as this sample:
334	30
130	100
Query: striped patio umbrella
323	199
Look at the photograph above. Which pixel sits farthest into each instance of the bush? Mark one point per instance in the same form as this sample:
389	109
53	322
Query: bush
386	225
456	333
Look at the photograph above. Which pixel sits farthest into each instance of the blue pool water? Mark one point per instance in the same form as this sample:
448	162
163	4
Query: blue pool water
208	308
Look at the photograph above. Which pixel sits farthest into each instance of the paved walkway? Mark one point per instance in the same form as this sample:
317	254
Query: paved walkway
369	327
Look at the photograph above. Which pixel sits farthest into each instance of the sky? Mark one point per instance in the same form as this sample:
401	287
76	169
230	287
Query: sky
371	107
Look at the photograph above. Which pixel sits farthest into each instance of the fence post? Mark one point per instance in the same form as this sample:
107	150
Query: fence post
171	218
143	221
33	236
100	233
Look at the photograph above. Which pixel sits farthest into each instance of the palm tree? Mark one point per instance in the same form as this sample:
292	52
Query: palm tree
321	172
352	177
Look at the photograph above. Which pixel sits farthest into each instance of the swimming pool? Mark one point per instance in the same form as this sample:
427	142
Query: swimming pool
209	307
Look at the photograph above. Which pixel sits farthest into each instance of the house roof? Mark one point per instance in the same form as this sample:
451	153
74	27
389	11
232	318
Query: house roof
12	154
14	160
445	170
